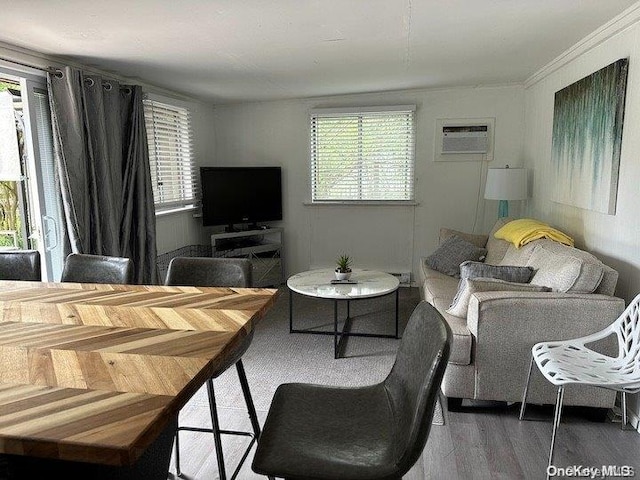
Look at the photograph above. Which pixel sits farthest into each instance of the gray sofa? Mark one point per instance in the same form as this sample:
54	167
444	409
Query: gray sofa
491	347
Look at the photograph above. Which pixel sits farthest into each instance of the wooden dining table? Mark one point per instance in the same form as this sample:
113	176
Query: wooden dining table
93	376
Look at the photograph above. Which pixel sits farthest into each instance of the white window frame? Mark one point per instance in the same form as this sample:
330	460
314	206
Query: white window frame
176	160
406	191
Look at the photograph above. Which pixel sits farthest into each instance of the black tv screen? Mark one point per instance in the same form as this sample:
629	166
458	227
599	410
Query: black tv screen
232	195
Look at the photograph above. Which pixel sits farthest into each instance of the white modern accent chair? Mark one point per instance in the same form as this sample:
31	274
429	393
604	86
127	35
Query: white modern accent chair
572	362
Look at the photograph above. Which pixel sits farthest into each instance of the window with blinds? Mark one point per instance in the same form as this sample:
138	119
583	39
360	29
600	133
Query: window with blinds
173	173
364	154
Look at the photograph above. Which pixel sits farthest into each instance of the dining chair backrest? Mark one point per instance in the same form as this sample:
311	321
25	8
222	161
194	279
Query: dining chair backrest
20	265
413	384
85	268
209	272
214	272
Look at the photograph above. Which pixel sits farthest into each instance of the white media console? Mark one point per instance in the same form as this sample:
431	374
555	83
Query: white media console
263	247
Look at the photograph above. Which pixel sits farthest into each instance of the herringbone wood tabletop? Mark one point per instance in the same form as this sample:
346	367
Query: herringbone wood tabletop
94	372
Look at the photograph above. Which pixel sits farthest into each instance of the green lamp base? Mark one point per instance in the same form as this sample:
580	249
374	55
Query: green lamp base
503	209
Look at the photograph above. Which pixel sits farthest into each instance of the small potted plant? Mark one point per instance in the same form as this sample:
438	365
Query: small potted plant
343	269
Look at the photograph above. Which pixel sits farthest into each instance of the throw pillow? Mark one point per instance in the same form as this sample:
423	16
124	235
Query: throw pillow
509	273
477	239
469	286
451	253
564	272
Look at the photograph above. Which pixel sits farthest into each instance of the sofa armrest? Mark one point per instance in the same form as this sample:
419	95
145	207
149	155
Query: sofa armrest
540	315
506	325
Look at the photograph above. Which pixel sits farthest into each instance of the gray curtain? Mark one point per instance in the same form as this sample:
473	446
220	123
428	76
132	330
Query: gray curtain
102	162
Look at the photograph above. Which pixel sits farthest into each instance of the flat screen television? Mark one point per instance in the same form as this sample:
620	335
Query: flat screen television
234	195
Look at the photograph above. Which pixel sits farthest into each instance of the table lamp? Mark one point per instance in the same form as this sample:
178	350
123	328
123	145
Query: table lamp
506	184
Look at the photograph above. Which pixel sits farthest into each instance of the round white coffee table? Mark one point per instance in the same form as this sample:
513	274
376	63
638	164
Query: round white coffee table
363	284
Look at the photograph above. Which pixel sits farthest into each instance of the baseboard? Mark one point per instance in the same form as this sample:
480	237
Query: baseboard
615	415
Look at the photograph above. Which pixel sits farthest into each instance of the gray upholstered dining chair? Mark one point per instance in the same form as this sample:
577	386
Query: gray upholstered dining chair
218	272
85	268
352	433
20	265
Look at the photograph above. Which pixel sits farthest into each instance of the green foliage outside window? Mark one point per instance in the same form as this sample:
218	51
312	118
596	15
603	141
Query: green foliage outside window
10	222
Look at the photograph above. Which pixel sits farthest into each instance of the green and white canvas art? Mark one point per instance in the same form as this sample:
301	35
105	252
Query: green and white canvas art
587	136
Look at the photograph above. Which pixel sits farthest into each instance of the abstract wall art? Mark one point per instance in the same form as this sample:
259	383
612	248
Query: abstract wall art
587	137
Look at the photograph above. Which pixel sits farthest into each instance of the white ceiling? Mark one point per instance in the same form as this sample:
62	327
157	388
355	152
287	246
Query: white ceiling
244	50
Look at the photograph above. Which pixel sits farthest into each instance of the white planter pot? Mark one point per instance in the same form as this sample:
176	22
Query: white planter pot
343	275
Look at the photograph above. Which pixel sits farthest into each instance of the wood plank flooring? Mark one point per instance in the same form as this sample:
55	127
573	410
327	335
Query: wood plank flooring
486	442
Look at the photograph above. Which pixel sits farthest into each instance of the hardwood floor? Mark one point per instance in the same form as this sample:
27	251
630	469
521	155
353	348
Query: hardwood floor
481	442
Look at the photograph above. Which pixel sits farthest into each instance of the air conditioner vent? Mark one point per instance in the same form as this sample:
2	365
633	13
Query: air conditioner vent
465	139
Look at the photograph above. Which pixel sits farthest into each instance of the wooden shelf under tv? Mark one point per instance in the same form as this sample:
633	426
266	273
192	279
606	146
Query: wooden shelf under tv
264	247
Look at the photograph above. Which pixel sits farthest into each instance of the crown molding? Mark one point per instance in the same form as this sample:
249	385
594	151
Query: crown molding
616	25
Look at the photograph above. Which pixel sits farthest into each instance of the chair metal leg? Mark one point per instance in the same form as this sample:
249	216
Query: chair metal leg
217	440
526	390
218	432
251	409
177	447
625	425
556	422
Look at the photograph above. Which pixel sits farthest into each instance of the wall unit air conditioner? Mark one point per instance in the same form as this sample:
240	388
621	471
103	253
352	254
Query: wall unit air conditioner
465	139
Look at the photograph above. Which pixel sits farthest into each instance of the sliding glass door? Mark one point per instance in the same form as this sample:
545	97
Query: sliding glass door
30	207
41	179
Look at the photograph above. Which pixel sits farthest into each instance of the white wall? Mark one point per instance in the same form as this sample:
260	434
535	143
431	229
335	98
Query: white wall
613	238
392	238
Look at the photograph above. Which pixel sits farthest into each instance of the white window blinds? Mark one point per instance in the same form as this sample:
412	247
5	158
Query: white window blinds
170	154
363	154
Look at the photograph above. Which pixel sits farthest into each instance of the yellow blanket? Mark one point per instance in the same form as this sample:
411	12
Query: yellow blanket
525	230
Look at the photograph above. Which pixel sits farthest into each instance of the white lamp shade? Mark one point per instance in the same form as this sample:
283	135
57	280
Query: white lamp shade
506	184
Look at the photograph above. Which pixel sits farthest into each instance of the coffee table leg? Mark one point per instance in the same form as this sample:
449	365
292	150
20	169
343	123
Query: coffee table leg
397	301
290	311
335	329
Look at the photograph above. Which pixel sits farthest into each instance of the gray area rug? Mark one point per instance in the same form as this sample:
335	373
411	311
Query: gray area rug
277	356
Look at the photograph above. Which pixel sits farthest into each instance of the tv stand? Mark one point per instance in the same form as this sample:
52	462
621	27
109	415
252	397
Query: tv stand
264	247
254	226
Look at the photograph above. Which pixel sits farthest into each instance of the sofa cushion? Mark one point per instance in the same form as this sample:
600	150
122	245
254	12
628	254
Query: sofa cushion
477	239
564	268
453	251
496	247
439	286
517	256
460	352
438	290
469	286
